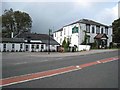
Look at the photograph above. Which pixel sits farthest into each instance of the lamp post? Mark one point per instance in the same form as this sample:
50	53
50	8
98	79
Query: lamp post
49	41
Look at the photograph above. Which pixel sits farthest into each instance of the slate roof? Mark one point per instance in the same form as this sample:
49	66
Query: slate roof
12	40
43	37
99	36
87	21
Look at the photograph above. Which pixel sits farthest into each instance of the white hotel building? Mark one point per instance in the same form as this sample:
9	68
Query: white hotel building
75	33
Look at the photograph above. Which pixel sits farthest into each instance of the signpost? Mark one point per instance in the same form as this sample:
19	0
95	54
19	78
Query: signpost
50	31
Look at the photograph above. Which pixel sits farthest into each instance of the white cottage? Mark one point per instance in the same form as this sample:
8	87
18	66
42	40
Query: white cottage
28	42
76	32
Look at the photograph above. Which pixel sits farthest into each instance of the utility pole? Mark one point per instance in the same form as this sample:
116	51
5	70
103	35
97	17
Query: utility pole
49	41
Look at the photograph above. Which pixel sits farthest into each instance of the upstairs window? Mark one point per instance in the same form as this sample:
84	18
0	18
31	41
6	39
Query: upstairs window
64	31
97	29
88	28
61	33
55	34
60	40
102	31
106	30
75	29
93	29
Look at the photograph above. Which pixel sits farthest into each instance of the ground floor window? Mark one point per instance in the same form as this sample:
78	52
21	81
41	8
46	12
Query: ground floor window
37	46
32	46
27	47
4	47
21	46
13	46
42	46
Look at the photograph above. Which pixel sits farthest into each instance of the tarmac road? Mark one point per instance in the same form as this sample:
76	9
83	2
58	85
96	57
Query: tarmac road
103	75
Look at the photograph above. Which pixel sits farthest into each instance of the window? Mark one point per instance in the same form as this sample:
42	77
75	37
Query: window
55	34
61	33
21	46
64	31
97	29
37	46
42	46
106	30
93	30
4	46
13	46
88	28
102	31
60	40
32	46
75	29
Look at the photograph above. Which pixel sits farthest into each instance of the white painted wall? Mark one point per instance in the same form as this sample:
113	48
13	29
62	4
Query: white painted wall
78	38
84	47
9	46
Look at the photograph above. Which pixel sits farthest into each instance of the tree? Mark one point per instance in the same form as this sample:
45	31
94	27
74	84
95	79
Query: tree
16	22
116	31
65	44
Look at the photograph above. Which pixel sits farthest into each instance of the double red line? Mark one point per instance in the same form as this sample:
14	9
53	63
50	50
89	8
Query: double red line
34	76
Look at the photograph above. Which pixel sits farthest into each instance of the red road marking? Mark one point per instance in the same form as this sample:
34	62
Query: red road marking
109	59
29	77
88	64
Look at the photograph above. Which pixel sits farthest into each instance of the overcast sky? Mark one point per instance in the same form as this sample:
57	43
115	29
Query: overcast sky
54	15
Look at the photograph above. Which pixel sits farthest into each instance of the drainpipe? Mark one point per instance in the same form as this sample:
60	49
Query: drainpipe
12	35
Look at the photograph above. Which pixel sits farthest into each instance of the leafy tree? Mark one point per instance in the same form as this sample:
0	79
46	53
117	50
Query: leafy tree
116	31
65	44
16	22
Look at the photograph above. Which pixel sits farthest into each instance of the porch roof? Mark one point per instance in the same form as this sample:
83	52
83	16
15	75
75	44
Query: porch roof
100	36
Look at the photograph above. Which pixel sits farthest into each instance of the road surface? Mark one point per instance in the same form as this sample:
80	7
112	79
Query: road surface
103	75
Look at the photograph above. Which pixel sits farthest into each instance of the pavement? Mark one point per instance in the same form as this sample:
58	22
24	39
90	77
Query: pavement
58	54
